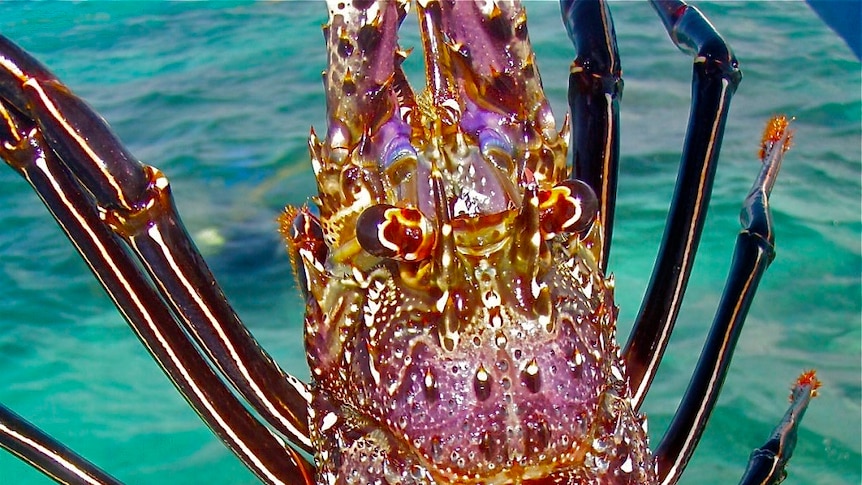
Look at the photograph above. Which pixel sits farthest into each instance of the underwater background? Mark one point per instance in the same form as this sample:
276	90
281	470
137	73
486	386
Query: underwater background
221	98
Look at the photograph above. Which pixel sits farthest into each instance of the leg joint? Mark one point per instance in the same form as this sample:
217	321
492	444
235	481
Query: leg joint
150	207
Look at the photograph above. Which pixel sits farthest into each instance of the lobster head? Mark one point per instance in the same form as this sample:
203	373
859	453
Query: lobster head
458	324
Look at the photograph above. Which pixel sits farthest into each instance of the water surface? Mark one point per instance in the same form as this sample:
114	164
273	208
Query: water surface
221	97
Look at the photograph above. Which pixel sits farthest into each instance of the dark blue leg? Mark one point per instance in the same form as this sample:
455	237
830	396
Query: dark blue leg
595	89
753	253
102	199
767	463
135	201
46	454
714	81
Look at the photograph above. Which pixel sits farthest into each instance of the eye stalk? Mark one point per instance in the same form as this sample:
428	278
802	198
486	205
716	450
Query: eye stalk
400	233
570	206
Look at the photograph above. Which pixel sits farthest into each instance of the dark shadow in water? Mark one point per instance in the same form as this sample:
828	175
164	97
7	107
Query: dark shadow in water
845	18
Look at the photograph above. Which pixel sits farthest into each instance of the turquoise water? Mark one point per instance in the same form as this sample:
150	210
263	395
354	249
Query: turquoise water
221	98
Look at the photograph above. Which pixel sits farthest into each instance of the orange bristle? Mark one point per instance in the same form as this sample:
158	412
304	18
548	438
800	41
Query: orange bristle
775	128
809	378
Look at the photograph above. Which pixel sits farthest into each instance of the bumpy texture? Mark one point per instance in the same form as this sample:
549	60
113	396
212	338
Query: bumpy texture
458	326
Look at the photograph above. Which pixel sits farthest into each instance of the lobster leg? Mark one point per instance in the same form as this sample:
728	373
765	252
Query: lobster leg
25	150
752	255
46	454
134	200
767	463
595	89
715	79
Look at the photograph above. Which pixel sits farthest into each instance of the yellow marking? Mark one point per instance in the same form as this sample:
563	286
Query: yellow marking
482	375
11	67
441	302
374	372
381	236
606	174
446	230
609	38
536	239
328	422
534	286
532	368
544	320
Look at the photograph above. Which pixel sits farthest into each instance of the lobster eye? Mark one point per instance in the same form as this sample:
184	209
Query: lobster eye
571	206
401	233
